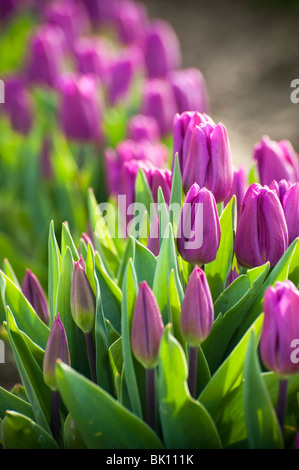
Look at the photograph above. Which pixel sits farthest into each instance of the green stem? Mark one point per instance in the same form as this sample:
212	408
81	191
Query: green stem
55	418
150	398
192	377
282	401
91	356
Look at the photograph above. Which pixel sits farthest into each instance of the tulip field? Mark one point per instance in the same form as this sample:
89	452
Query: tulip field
148	285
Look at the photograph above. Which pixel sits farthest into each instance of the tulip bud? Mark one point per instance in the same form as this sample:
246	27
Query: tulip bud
34	293
290	204
83	302
121	76
198	234
160	177
158	100
80	108
238	189
262	233
57	348
190	90
130	21
276	161
209	161
47	50
280	188
18	105
142	127
280	328
197	314
162	50
233	274
93	57
147	327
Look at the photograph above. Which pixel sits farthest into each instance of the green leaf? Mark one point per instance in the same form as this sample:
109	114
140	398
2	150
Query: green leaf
185	422
174	304
109	425
54	271
9	401
7	269
167	261
144	263
176	195
25	316
67	241
218	270
294	267
20	432
143	194
261	421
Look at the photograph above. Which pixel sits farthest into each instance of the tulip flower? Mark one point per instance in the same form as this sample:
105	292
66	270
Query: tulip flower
162	49
233	275
190	90
290	204
121	76
130	22
158	100
280	188
198	234
34	293
142	127
47	50
209	161
80	108
239	188
18	104
276	161
93	57
280	329
197	318
262	233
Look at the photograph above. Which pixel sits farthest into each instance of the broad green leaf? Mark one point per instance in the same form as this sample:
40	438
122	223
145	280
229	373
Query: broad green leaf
116	364
67	241
128	253
143	194
218	270
72	439
20	432
144	263
110	425
54	260
28	321
261	421
9	401
32	377
8	270
167	261
174	304
186	424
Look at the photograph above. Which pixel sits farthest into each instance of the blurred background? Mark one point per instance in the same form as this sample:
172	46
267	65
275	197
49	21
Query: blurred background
248	52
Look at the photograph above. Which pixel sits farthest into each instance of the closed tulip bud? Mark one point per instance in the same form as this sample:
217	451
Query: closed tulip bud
199	232
80	108
262	234
130	21
47	50
93	57
280	328
238	189
158	100
57	348
34	293
209	161
190	90
160	178
280	188
142	127
276	161
147	327
197	314
18	105
290	204
83	302
162	50
121	75
153	242
233	275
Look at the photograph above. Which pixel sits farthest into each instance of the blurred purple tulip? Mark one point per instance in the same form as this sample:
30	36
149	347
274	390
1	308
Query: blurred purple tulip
18	105
199	232
190	90
239	188
93	57
280	328
158	100
34	293
80	108
130	21
142	127
147	327
197	314
276	161
262	233
162	49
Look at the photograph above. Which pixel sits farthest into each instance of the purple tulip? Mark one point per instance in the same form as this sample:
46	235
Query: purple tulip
7	9
158	100
122	72
276	161
102	11
199	233
83	302
34	293
93	57
80	108
280	328
142	127
162	49
57	348
280	188
147	327
47	51
197	314
233	275
18	105
190	90
262	233
290	204
209	161
130	21
238	189
153	242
